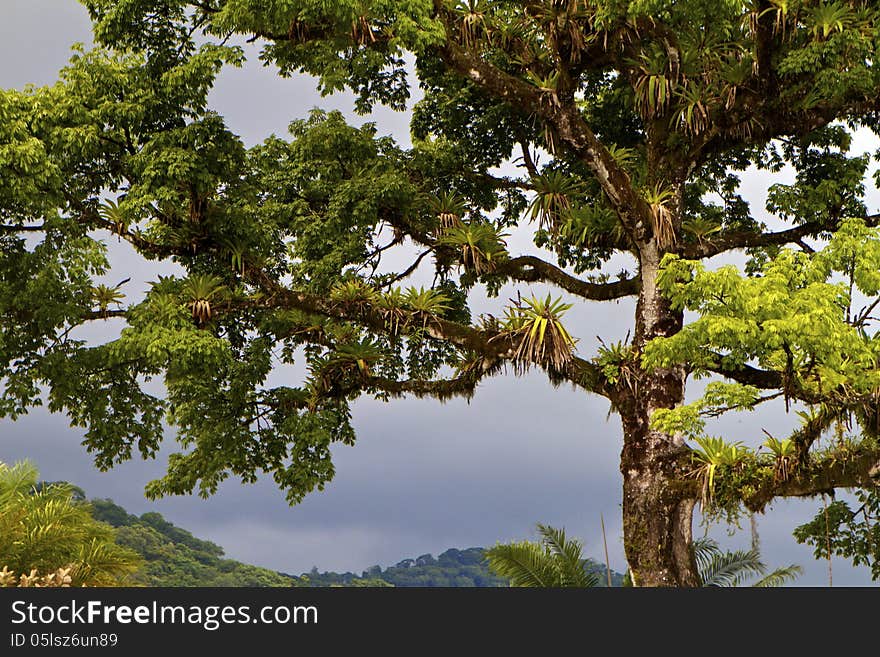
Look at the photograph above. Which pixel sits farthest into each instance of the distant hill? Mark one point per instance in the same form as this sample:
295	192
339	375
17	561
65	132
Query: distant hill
174	557
453	568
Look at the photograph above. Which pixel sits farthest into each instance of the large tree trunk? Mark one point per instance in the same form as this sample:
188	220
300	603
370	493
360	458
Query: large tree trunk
657	516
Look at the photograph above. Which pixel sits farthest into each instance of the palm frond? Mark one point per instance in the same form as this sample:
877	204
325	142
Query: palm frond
568	554
524	563
780	576
705	550
732	568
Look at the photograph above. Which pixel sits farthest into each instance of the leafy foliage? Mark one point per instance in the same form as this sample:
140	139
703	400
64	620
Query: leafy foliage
47	538
853	534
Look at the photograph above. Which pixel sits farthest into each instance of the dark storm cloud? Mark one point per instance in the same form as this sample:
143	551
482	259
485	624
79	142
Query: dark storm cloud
423	476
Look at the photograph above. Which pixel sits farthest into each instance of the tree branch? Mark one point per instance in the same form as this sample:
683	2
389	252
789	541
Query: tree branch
493	347
567	122
443	389
530	269
747	375
747	239
103	314
22	229
859	470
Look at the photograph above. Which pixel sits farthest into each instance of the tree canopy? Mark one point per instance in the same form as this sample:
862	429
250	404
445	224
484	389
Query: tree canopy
629	125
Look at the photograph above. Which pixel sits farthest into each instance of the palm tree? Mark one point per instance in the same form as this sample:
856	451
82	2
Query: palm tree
555	562
559	562
44	530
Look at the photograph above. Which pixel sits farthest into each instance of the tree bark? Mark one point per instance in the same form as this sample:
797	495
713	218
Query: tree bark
657	515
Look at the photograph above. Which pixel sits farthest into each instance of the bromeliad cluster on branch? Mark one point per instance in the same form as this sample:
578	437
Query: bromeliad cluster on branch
627	125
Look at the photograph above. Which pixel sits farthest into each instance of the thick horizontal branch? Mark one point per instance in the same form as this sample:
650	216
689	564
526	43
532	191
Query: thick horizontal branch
22	229
730	241
493	347
530	269
441	389
747	375
858	470
103	314
759	118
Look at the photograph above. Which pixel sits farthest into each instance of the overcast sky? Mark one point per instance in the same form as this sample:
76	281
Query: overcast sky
423	476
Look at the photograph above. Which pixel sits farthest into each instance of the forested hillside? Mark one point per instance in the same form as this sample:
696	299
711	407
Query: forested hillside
174	557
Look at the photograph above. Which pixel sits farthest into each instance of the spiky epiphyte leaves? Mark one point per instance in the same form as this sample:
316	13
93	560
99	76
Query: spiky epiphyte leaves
545	82
475	364
659	201
625	157
785	455
110	212
590	225
692	112
555	195
237	250
361	355
392	307
711	454
398	306
618	363
353	292
826	18
718	568
104	296
480	246
555	562
449	208
426	301
654	85
541	336
330	375
472	16
700	228
201	291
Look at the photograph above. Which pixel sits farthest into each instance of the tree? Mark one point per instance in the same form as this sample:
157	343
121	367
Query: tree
45	531
630	123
